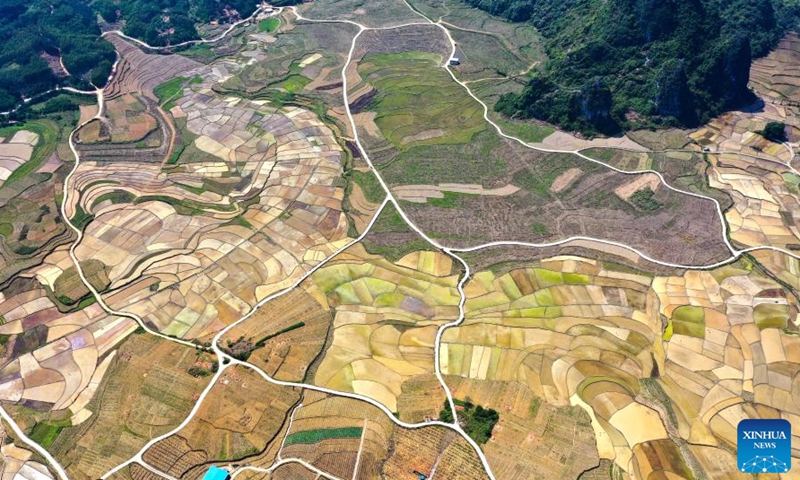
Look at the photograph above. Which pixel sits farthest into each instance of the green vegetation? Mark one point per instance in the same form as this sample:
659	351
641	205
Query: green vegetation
171	90
478	421
48	139
45	433
35	32
417	103
269	25
315	436
539	228
379	241
478	161
390	221
645	199
771	316
240	221
168	22
775	131
370	186
451	200
688	320
293	83
527	132
185	207
264	340
672	62
81	218
116	197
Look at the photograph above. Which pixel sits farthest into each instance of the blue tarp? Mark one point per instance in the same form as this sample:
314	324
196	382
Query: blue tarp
216	473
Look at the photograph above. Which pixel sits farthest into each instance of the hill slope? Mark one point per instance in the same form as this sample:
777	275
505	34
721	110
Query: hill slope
627	63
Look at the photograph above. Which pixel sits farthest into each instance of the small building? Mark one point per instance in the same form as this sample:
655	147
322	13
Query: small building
454	61
216	473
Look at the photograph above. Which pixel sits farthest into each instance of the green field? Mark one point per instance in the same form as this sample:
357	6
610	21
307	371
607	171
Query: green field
370	186
269	25
171	90
417	101
314	436
48	138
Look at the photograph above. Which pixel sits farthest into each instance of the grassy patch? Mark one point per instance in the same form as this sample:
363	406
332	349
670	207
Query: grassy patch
269	25
45	433
475	162
81	218
48	132
539	228
294	83
369	184
645	199
450	200
172	89
417	101
315	436
116	197
240	221
527	132
771	316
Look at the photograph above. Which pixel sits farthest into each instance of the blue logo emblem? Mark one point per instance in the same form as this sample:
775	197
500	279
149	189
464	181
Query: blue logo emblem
765	446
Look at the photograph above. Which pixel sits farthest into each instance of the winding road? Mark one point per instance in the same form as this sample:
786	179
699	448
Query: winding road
225	361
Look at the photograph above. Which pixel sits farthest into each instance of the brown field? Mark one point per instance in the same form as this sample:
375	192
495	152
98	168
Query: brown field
385	318
53	359
241	416
683	229
145	393
261	202
285	356
659	364
128	121
141	72
388	451
533	439
777	75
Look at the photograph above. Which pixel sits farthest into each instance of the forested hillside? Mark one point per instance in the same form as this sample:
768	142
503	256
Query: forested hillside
626	63
49	43
41	38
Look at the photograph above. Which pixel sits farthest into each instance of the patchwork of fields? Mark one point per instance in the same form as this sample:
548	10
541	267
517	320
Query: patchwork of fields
311	248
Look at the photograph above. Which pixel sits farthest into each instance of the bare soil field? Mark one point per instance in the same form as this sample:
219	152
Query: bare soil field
372	14
642	363
240	418
284	337
673	232
679	229
777	75
146	392
138	71
533	439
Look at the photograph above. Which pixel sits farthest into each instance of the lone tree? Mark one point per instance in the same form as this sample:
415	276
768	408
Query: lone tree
775	131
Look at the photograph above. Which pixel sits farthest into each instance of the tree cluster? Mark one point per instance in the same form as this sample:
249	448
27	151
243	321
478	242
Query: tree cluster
169	22
618	64
31	30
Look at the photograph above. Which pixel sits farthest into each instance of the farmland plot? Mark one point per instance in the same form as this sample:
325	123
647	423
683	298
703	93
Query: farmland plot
222	246
444	143
571	332
386	316
240	418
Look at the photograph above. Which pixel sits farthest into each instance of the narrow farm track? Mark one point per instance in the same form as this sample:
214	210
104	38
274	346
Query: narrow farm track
226	361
